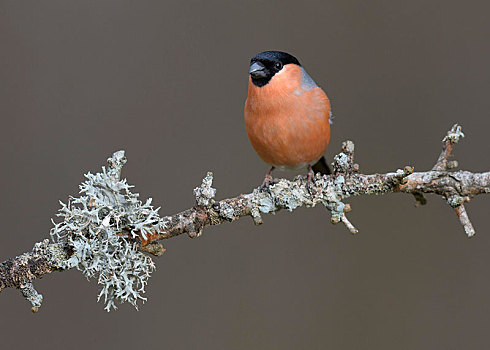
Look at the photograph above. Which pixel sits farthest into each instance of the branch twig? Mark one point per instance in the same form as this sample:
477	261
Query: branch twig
105	229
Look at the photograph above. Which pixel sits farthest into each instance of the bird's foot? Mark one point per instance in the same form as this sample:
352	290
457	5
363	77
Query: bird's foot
268	179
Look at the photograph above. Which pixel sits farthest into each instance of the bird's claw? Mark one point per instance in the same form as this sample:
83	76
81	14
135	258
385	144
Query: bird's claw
268	180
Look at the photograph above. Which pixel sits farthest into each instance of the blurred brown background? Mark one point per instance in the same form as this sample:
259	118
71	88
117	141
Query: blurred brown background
166	81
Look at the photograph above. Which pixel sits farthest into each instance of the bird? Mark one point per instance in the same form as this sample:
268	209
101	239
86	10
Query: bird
287	115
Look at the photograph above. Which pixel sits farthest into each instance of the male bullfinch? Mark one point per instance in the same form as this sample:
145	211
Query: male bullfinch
287	116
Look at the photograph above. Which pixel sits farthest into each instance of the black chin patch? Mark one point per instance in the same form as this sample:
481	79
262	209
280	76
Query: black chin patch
273	62
262	81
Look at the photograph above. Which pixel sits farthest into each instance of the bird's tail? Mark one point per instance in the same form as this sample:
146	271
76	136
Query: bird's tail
322	167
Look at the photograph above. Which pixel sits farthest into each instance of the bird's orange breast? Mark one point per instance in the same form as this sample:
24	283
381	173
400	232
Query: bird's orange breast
287	122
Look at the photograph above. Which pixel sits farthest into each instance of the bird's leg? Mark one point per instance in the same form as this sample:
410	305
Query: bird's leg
310	176
268	178
311	173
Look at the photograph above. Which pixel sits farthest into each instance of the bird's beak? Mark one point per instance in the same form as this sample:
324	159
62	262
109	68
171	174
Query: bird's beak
257	70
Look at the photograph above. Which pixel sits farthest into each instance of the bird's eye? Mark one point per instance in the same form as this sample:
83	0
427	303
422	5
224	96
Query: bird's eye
278	65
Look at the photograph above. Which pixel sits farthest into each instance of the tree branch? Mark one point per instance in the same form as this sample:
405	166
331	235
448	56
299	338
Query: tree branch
104	231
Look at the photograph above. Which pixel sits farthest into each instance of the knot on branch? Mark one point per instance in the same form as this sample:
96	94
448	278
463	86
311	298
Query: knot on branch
153	248
400	176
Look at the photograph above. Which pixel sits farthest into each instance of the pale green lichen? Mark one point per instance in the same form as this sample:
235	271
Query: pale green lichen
226	211
454	134
205	193
98	227
290	195
341	162
32	296
455	201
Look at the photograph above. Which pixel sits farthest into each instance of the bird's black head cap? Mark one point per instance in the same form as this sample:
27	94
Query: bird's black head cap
265	65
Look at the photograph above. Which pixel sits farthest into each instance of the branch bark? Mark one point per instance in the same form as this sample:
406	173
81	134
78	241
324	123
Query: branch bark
461	185
331	191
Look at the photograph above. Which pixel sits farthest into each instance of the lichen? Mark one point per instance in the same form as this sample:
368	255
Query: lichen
226	211
205	193
291	195
341	162
32	296
454	134
100	226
